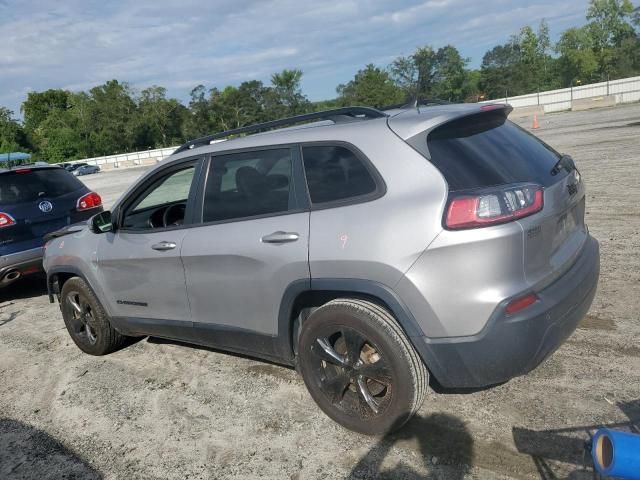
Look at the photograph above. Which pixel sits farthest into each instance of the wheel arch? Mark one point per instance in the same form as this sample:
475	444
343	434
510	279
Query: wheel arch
58	275
304	294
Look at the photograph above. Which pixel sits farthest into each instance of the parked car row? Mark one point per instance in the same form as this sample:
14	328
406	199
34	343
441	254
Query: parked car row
79	169
373	250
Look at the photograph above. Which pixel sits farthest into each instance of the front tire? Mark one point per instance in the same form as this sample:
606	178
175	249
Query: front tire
360	367
86	320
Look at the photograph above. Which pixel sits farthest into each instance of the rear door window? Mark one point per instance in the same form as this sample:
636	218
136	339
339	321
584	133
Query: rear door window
485	149
335	173
31	185
248	184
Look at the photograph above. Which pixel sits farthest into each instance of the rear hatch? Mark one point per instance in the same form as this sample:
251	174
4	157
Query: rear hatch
483	151
40	201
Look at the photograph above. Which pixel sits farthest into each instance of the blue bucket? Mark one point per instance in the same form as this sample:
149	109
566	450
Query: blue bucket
616	454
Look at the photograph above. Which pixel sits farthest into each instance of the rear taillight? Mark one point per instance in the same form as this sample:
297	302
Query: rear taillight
88	201
493	206
6	220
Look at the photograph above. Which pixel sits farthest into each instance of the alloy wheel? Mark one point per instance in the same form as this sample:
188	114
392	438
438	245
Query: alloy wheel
351	371
81	317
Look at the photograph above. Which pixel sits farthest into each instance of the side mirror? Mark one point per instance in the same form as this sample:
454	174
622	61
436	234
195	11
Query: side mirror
101	222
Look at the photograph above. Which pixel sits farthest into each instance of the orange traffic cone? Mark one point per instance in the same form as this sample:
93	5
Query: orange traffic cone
535	122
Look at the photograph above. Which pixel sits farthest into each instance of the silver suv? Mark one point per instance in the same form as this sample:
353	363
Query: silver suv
374	251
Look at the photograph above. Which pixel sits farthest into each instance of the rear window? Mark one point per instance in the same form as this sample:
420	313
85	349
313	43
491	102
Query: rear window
21	187
485	149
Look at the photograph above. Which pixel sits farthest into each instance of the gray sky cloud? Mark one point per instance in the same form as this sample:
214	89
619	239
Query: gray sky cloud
77	44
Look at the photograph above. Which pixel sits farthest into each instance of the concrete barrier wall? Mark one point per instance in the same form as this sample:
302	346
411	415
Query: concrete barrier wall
595	102
520	112
128	160
624	90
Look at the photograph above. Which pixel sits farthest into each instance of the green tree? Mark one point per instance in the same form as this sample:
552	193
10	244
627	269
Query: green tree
415	73
610	24
40	105
534	57
450	74
371	87
114	110
12	135
199	121
577	60
430	73
500	74
158	120
285	97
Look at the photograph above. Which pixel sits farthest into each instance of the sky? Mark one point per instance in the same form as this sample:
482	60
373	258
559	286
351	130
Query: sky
78	44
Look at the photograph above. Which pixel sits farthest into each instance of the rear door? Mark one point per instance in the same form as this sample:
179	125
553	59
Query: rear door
485	150
252	244
140	263
40	200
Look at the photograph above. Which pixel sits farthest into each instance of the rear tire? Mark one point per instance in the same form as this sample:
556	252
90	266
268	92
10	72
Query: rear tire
86	320
360	367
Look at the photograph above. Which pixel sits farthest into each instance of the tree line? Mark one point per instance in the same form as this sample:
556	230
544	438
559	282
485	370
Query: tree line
60	125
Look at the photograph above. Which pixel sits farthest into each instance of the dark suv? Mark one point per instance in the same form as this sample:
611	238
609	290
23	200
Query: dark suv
34	201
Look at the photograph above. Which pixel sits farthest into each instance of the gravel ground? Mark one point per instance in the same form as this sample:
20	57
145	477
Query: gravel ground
158	409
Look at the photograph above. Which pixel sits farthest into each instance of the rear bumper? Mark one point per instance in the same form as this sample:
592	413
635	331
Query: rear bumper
510	346
21	261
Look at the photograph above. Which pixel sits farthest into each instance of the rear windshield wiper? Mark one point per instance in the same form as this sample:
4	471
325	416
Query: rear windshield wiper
565	162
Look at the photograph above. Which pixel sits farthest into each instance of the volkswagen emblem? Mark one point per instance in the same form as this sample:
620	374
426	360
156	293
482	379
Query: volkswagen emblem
45	206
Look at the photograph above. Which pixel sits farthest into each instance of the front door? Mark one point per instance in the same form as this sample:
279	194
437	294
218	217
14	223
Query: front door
140	262
253	243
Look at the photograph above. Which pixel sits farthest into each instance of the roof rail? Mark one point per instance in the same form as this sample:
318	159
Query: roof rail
333	114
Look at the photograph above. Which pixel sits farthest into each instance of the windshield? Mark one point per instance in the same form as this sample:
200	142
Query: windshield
30	185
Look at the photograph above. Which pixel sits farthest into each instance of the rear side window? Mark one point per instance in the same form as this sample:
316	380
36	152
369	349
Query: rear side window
485	149
30	185
248	184
335	173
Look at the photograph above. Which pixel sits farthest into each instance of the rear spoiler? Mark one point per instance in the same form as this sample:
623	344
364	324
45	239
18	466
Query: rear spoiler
410	123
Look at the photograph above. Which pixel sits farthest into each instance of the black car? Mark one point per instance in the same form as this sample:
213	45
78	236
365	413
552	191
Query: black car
34	201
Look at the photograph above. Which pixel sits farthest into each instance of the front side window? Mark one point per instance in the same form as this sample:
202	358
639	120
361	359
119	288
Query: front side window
335	173
248	184
163	204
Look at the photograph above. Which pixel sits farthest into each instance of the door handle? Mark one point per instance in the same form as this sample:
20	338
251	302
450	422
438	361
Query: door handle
163	246
280	237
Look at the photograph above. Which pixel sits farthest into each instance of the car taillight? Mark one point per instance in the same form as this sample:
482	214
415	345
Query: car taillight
493	206
6	220
90	200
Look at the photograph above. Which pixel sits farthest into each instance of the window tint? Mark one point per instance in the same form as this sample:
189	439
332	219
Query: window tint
29	186
248	184
170	191
335	173
485	150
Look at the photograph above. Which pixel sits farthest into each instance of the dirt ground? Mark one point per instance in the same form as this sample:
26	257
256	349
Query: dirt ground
158	409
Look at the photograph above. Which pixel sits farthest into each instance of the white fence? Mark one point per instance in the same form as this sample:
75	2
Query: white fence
124	160
625	90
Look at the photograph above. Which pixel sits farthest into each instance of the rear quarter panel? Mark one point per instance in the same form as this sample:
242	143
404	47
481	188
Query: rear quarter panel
379	240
